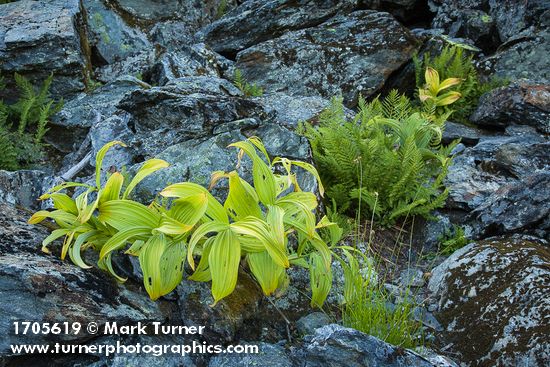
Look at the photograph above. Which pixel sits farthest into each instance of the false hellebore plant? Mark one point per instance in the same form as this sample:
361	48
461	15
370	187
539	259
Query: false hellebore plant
256	222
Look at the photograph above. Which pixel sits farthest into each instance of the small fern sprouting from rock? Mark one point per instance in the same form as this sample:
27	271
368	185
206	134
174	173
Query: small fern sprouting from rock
24	123
387	161
249	90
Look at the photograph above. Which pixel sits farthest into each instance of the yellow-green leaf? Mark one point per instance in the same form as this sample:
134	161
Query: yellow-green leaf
99	159
223	260
150	166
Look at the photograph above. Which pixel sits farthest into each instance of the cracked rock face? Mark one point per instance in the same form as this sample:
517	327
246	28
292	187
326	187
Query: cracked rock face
493	301
346	55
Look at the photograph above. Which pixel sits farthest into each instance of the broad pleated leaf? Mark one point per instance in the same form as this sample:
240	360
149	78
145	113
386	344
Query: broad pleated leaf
223	260
123	214
214	211
149	167
184	214
320	280
99	159
120	239
240	202
266	272
62	202
112	188
199	233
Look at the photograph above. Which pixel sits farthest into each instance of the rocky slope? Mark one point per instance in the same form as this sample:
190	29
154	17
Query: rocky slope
157	75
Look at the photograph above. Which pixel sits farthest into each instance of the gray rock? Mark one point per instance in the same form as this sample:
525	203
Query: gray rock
467	135
308	324
22	188
289	110
492	299
517	207
525	57
523	102
496	161
346	55
136	65
269	355
41	37
411	277
44	289
186	108
82	110
489	22
335	345
109	37
195	60
256	21
192	13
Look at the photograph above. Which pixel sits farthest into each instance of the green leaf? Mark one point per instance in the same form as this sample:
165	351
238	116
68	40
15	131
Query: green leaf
150	166
120	239
320	280
123	214
199	233
99	159
223	260
214	211
112	188
265	270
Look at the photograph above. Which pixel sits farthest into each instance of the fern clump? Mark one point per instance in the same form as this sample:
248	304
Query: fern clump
453	63
24	123
249	90
388	161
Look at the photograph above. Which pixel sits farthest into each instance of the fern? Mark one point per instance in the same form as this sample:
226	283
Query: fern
249	90
24	123
387	161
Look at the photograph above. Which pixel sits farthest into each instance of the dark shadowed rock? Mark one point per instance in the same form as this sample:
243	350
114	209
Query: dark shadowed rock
43	288
523	103
224	321
493	302
41	37
346	55
495	161
517	207
256	21
195	60
308	324
467	135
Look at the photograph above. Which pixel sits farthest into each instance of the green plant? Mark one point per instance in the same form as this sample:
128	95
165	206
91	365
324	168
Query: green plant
367	305
254	222
452	240
388	160
222	9
24	123
453	63
249	90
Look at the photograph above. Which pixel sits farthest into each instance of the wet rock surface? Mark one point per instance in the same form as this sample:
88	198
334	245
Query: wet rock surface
492	301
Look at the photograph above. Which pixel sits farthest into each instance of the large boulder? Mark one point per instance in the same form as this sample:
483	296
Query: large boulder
256	21
23	187
492	299
110	38
502	182
43	288
42	37
346	55
524	102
